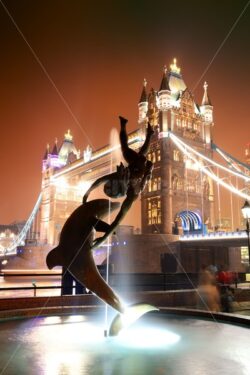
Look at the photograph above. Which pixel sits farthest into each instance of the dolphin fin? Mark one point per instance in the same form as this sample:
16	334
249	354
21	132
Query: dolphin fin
131	315
54	258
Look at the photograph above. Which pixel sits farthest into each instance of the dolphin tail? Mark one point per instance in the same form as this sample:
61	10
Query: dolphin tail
54	258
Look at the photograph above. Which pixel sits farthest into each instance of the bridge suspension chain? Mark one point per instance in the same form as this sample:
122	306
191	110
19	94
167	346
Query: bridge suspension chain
21	236
231	160
192	154
177	141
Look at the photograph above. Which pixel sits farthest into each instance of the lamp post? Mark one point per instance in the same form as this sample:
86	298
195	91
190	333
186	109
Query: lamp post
246	214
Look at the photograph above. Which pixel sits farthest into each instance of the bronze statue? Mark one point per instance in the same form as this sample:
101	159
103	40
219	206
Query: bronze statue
74	251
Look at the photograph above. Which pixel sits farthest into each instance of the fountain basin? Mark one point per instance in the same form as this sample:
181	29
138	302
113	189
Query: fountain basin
165	342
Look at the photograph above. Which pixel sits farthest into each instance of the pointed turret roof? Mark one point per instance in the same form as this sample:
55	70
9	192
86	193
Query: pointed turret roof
144	97
55	150
164	82
206	100
175	79
67	147
47	152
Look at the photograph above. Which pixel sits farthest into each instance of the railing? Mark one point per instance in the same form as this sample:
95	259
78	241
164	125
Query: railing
123	282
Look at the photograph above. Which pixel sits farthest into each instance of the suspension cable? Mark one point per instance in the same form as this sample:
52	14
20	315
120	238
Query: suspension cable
21	236
182	146
177	140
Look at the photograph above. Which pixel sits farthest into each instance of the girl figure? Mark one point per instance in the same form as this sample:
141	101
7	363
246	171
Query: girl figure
127	181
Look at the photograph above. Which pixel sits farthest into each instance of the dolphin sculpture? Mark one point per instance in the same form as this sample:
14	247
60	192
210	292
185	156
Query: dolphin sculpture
74	251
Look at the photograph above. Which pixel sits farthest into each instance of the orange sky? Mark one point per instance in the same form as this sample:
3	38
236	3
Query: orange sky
97	56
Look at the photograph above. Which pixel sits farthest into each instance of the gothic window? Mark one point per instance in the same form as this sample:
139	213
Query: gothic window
153	157
154	211
158	155
149	217
149	185
178	122
154	184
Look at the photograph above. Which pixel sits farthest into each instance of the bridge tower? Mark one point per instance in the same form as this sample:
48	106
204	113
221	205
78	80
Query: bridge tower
55	194
178	195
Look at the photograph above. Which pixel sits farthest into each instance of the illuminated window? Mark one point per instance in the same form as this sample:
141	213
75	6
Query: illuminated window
149	186
158	155
244	255
176	155
178	122
149	217
154	211
153	157
155	184
154	188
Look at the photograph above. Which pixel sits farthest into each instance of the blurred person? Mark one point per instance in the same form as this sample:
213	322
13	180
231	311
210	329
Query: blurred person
213	269
227	297
208	294
221	277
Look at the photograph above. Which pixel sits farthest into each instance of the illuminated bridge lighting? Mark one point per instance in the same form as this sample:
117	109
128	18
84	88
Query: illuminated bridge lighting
213	236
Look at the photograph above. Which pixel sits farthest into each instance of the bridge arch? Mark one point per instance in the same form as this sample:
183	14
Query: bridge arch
191	221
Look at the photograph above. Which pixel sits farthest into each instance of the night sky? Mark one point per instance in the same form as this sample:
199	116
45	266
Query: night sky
94	58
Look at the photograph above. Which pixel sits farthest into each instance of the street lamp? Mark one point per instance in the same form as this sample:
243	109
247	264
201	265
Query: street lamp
246	214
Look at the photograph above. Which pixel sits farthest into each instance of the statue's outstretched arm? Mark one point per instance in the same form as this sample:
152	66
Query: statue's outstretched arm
145	147
97	183
127	203
127	152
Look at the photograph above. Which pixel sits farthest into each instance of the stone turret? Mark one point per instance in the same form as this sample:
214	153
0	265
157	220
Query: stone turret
45	158
206	106
153	108
164	92
206	109
143	105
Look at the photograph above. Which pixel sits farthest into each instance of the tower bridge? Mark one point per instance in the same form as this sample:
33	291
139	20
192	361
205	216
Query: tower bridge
190	176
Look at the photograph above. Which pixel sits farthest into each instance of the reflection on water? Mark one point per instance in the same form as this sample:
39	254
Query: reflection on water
157	344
